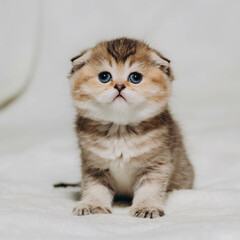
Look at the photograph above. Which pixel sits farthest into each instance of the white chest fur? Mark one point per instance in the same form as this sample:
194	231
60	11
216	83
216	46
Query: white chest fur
120	144
123	174
118	149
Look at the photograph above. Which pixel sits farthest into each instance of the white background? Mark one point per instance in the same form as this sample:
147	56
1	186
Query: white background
37	142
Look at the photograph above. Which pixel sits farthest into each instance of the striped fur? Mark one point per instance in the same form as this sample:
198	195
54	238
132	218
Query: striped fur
129	147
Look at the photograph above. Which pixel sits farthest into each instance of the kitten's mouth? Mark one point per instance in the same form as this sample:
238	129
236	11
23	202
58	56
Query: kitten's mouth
119	96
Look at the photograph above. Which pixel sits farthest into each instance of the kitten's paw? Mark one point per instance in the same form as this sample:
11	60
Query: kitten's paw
146	212
85	209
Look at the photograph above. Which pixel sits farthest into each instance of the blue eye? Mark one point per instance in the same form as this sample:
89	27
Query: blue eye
104	77
135	77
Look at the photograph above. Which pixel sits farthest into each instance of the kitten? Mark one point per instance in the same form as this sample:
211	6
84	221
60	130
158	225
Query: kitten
130	144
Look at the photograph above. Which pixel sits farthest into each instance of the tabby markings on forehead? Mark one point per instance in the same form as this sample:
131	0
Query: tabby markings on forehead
121	49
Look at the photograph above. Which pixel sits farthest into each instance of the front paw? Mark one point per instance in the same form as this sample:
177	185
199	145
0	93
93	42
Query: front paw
146	212
85	209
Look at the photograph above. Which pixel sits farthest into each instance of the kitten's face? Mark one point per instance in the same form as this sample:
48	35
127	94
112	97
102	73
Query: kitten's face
121	81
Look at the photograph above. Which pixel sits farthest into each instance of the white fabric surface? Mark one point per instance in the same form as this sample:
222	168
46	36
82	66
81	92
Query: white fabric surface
38	146
20	41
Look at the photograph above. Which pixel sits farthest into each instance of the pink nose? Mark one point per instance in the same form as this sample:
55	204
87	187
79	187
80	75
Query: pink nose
119	87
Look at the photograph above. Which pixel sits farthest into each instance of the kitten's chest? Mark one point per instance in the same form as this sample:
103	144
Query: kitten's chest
118	148
123	176
117	151
120	152
120	144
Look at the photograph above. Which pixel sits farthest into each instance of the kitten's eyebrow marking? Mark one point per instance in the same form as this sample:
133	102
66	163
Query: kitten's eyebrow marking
131	63
110	63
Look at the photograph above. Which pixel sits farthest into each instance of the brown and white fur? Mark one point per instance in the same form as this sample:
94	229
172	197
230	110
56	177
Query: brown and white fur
130	145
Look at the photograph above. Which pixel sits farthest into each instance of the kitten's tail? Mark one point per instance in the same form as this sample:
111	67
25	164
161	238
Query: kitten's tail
65	185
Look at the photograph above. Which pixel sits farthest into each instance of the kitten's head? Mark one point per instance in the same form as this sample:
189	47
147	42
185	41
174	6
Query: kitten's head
122	81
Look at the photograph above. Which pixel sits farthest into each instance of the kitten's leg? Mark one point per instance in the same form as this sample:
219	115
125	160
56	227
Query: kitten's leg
97	198
150	192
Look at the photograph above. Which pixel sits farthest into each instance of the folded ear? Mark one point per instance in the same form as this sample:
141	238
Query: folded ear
79	60
163	63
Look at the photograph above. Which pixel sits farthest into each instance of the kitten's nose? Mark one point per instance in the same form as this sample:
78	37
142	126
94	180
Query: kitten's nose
119	87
